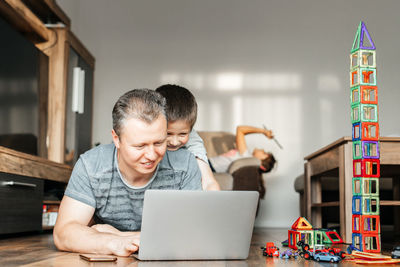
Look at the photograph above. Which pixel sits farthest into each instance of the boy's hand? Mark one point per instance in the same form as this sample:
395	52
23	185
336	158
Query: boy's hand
268	133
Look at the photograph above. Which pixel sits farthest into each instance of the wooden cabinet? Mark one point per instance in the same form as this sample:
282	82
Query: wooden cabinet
62	51
24	181
24	178
60	67
78	129
20	203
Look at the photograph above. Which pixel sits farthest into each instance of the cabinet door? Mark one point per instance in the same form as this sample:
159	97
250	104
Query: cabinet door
23	93
79	125
21	200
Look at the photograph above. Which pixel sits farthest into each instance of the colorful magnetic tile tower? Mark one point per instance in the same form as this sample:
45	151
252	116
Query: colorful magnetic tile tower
366	161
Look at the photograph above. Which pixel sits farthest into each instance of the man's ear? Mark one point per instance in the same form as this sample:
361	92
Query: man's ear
115	138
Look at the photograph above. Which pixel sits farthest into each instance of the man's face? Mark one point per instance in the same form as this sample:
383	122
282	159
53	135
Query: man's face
141	146
178	134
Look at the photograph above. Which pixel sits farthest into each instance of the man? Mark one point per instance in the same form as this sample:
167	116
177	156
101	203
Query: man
102	207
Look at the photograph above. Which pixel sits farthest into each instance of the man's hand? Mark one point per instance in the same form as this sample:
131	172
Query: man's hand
124	245
72	227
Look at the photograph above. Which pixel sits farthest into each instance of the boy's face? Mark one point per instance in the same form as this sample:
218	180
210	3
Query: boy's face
178	134
260	154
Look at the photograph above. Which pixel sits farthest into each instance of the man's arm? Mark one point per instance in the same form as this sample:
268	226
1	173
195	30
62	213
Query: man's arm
72	232
242	131
106	228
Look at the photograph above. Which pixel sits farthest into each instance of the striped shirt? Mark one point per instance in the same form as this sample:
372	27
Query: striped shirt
97	181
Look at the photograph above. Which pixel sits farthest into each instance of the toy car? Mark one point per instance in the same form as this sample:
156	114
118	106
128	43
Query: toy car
303	245
307	255
321	248
396	253
304	253
337	252
270	250
324	256
331	250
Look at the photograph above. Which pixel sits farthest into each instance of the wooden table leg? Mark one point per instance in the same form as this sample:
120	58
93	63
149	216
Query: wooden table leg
396	209
307	191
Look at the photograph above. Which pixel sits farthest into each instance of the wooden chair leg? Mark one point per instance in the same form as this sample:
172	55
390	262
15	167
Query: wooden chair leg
396	209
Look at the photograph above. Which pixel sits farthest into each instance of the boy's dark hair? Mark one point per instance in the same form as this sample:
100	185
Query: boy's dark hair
268	163
181	104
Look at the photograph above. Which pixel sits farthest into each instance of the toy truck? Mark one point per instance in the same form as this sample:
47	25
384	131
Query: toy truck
270	250
306	252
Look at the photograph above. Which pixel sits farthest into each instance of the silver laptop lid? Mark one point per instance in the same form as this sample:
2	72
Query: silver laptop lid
197	225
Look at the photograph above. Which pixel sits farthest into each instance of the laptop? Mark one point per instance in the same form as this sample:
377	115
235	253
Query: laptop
197	225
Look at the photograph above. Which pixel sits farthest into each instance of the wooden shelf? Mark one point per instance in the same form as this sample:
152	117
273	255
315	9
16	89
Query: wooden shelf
51	202
33	166
336	203
389	203
325	204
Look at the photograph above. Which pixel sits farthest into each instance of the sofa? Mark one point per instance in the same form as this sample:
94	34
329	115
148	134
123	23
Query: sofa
242	173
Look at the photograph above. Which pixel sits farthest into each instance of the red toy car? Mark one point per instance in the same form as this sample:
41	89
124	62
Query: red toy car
270	250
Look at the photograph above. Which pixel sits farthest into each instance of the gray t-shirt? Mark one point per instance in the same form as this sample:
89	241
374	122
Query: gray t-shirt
96	181
196	146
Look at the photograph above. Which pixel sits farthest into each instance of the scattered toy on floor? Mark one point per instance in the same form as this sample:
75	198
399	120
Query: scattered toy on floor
289	253
396	252
270	250
350	249
302	230
325	256
360	257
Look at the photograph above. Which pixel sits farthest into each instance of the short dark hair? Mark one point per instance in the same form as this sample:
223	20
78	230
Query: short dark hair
268	163
144	104
181	103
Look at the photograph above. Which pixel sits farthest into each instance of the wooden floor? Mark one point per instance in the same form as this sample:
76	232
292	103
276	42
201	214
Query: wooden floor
39	250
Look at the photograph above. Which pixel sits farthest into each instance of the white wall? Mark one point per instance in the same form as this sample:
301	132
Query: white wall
281	63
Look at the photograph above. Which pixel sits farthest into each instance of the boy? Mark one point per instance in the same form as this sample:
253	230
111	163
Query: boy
182	115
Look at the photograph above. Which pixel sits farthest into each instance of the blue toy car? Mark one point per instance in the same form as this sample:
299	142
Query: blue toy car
323	256
396	252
